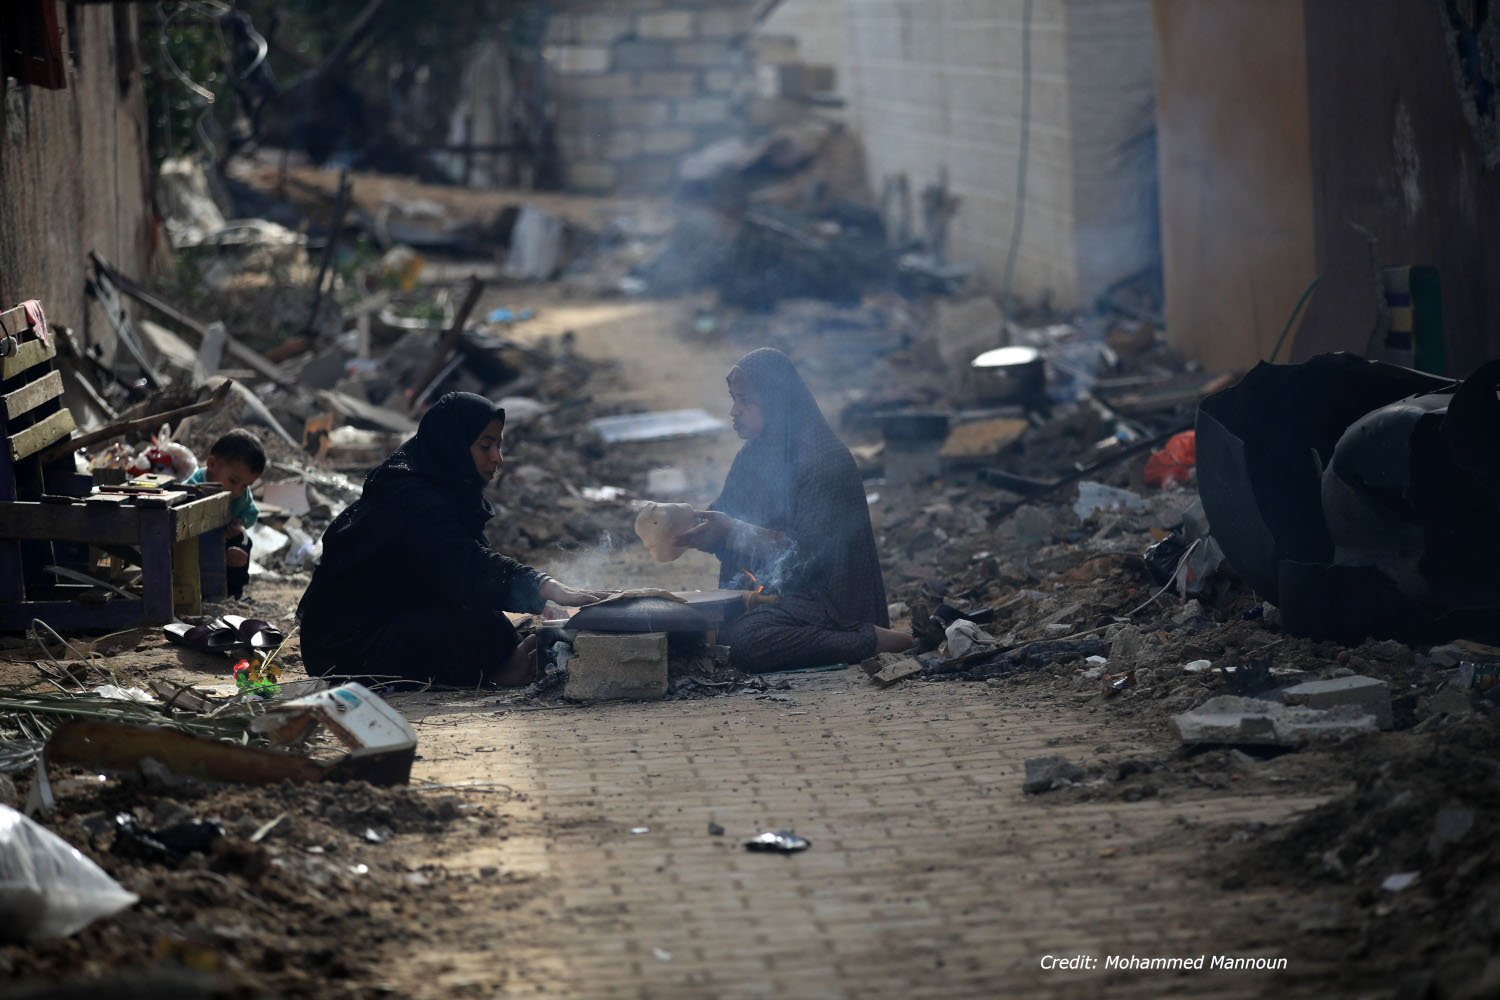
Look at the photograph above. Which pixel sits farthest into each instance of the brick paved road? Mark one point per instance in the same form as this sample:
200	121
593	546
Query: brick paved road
930	875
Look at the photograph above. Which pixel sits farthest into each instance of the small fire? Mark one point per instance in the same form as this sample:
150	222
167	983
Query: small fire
750	597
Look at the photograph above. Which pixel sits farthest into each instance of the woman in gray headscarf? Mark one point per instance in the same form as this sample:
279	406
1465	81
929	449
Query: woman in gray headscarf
792	514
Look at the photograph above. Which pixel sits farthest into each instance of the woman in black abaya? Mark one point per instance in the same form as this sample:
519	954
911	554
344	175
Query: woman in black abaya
793	514
407	585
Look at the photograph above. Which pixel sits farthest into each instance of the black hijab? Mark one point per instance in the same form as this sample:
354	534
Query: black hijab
797	477
438	457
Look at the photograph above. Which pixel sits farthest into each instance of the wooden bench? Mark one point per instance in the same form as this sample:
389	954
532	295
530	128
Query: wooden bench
43	506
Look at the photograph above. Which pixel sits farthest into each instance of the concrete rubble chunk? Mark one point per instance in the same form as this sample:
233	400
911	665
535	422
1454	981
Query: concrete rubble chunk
1369	693
608	666
888	668
1255	722
1046	773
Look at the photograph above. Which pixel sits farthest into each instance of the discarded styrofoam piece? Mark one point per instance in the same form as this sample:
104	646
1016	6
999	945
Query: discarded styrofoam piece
1094	497
266	539
360	719
290	495
657	426
963	635
1232	719
1369	693
48	889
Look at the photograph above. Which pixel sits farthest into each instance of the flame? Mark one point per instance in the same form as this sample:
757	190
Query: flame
750	597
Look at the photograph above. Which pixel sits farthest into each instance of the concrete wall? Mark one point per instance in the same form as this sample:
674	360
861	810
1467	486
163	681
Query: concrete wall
1394	152
639	83
1236	174
936	85
74	169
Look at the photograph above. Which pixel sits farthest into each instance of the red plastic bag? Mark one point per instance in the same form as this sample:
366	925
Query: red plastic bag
1173	465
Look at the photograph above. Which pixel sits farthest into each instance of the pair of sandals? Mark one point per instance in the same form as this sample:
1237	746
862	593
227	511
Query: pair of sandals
218	635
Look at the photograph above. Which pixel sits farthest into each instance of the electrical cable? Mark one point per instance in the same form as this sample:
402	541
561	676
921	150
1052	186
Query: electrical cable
1025	144
1290	319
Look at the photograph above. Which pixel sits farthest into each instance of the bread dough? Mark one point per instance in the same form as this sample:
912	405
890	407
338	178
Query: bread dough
659	524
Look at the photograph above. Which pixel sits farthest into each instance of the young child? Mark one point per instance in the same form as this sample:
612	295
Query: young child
234	462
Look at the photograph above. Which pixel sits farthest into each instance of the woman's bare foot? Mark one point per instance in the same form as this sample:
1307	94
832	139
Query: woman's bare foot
520	669
890	641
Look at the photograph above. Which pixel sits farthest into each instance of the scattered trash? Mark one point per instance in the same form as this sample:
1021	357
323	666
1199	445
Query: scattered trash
963	635
509	316
637	830
1399	881
47	888
169	846
779	841
715	830
1095	497
662	955
1173	466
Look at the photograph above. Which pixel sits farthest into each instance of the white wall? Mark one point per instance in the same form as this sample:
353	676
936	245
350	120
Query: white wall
934	83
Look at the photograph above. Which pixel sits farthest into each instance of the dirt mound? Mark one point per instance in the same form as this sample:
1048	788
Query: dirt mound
1412	848
300	912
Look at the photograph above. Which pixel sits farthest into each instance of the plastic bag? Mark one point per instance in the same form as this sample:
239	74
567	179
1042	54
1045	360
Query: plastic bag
47	888
166	456
1173	465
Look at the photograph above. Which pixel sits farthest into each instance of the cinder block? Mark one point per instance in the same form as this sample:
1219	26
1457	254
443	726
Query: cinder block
643	56
794	79
702	111
666	84
562	29
666	141
607	666
724	24
649	173
578	59
602	28
773	111
622	145
591	176
772	49
719	81
1369	693
610	86
702	55
665	24
585	116
640	114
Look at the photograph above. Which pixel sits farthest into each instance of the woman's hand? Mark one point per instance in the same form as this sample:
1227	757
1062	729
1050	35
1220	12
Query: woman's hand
713	527
561	593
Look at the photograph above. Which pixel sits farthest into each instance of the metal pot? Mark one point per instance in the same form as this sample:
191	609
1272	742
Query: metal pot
1010	375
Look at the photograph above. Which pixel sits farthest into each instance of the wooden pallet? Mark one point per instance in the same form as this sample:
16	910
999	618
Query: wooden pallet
44	505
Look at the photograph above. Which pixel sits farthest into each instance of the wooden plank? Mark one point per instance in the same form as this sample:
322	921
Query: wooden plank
187	585
31	353
32	395
161	499
211	565
33	439
193	519
22	519
156	565
71	614
13	321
